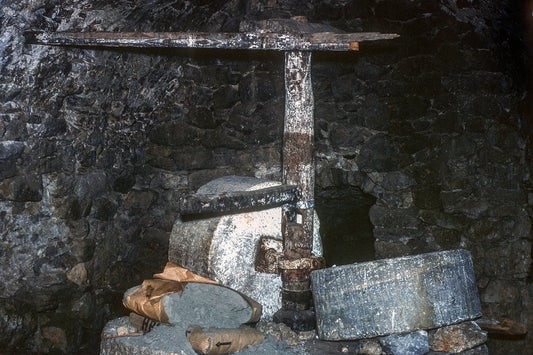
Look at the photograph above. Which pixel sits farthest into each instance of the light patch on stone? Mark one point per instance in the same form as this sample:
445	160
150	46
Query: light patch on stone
78	274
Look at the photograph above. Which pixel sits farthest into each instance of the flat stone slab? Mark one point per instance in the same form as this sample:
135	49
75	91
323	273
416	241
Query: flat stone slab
396	295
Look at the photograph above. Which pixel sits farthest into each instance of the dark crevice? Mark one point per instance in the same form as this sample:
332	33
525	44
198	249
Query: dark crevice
345	227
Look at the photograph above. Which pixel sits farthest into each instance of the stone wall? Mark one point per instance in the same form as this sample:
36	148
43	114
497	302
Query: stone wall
96	146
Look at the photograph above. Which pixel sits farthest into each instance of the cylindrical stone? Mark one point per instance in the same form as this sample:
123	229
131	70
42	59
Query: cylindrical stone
224	248
396	295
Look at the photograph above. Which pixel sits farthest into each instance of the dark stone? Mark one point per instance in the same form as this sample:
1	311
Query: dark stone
296	320
174	134
427	197
366	70
69	208
140	199
267	86
124	183
11	150
27	188
192	158
415	143
200	96
225	97
396	234
374	114
8	169
414	343
202	117
447	238
343	88
430	172
447	122
104	209
386	10
343	135
91	185
378	154
396	180
54	126
382	216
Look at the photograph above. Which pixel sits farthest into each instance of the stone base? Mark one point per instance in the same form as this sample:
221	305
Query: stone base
468	338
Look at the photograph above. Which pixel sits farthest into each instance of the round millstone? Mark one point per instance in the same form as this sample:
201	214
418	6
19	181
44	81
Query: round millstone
396	295
224	248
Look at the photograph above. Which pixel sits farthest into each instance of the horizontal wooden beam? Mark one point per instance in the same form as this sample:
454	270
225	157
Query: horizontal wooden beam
325	41
238	200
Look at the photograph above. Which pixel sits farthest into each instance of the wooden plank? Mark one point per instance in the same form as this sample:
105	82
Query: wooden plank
298	146
238	200
255	41
298	169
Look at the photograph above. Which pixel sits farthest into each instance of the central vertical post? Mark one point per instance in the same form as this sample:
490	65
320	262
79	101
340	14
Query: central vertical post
298	169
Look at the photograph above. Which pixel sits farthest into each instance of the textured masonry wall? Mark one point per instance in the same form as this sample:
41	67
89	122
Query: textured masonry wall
97	146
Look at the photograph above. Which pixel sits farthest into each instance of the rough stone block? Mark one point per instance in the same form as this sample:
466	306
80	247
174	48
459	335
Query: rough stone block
414	343
398	295
458	337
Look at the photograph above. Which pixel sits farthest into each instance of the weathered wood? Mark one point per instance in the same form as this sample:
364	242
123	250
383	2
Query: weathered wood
268	197
298	169
251	40
397	295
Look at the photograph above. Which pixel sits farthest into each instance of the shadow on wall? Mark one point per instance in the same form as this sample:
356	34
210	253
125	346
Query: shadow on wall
345	227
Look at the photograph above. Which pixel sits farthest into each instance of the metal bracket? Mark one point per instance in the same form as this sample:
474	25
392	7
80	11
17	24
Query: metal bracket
270	259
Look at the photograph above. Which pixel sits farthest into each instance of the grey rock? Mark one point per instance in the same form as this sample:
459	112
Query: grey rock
414	343
381	216
91	185
397	180
380	154
11	150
